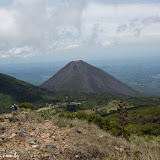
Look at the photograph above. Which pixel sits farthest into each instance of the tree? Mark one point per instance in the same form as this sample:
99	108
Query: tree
122	115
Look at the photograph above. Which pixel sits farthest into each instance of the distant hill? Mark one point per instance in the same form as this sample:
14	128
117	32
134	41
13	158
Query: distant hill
19	90
82	77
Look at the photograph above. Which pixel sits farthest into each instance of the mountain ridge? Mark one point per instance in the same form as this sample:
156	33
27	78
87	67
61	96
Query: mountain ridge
19	90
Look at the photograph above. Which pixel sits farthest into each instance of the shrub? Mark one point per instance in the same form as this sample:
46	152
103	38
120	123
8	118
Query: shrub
67	115
147	129
90	118
81	115
101	122
98	121
122	115
116	129
27	105
135	129
105	123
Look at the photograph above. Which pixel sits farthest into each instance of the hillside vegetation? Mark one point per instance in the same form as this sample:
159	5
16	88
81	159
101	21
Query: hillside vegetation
19	90
141	115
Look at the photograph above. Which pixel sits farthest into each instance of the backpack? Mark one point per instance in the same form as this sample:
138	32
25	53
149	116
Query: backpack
16	107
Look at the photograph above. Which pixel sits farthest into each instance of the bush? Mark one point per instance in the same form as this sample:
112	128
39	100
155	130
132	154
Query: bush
67	115
98	121
106	124
81	115
147	129
27	105
90	118
116	129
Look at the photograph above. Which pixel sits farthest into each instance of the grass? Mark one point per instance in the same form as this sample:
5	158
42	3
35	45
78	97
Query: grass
43	109
148	145
145	148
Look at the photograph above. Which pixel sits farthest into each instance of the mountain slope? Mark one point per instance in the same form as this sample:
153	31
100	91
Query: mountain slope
82	77
5	103
20	91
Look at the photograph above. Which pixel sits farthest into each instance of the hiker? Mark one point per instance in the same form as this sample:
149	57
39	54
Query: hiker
15	108
12	108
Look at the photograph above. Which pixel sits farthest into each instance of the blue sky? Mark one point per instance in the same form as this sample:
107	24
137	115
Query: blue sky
78	29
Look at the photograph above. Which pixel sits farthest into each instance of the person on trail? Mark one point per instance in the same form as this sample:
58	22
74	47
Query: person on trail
16	108
12	109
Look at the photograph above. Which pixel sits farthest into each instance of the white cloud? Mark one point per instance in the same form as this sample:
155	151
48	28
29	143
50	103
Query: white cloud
4	56
18	51
73	46
106	44
22	52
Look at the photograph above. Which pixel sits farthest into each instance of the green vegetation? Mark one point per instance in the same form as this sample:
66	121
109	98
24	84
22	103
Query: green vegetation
20	91
5	103
27	105
122	115
143	120
114	127
134	102
139	147
141	115
86	100
147	129
99	103
101	122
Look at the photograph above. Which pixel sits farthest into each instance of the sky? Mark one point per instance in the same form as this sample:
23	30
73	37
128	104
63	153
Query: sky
37	30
